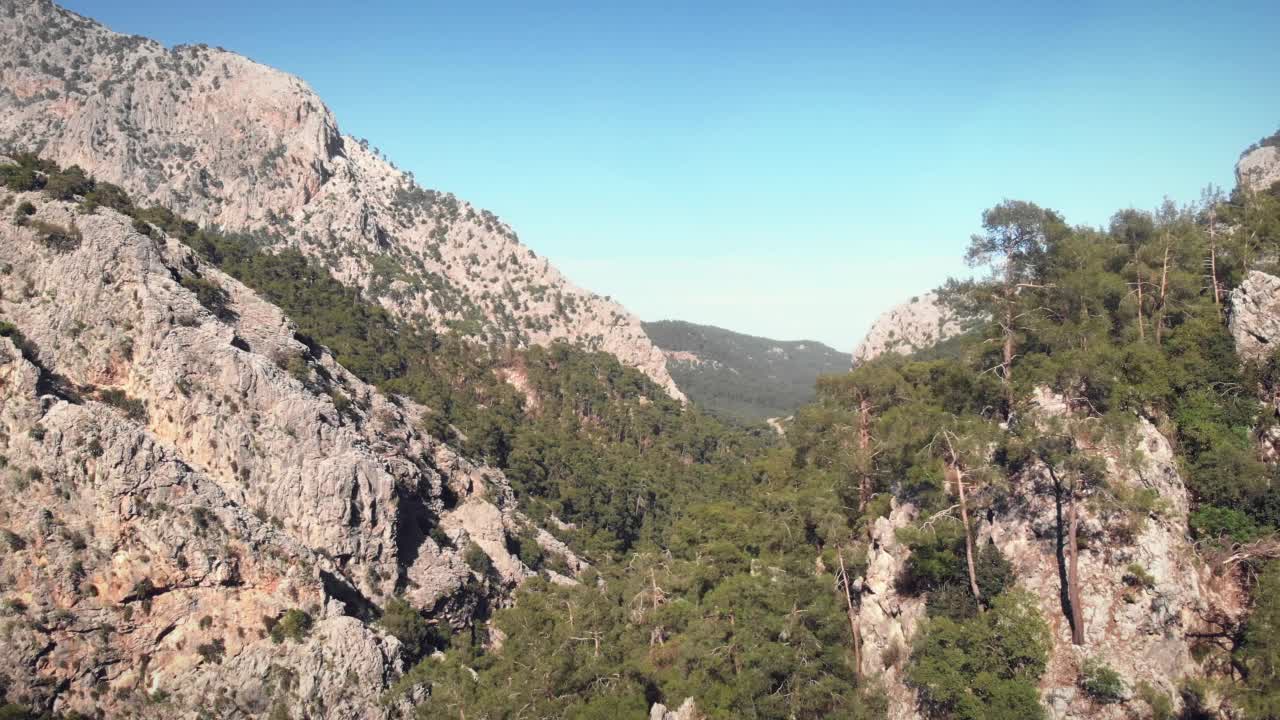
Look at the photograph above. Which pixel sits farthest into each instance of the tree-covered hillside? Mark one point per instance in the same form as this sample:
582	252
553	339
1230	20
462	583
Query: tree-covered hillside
742	376
730	567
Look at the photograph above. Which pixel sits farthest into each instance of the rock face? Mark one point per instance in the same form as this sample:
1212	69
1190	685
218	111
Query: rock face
1145	591
1259	168
919	323
226	141
888	620
171	485
688	710
1255	315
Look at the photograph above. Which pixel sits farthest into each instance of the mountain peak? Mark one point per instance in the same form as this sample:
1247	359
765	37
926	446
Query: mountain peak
235	144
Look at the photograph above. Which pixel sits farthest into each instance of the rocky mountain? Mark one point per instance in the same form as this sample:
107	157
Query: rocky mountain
203	511
743	376
917	324
234	144
1259	166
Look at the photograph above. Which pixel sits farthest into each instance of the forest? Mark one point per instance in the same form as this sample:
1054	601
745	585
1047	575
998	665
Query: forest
723	556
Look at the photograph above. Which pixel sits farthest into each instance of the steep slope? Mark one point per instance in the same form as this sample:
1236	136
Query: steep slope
228	142
740	375
921	322
1147	596
1259	167
182	473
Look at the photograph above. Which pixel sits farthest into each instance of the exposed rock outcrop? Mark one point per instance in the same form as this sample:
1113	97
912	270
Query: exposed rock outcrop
174	484
1146	593
226	141
919	323
688	710
1259	168
1255	315
889	620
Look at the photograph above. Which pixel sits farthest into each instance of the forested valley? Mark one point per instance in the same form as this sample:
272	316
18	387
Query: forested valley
726	560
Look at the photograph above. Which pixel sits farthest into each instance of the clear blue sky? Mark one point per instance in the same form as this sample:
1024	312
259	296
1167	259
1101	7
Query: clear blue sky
781	169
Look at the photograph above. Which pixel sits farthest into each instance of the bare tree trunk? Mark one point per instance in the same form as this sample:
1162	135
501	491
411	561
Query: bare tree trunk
968	535
1007	364
864	447
1213	258
1142	334
1164	288
953	468
1073	569
853	620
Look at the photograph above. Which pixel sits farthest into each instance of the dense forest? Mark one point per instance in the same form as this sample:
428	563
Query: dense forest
743	377
723	557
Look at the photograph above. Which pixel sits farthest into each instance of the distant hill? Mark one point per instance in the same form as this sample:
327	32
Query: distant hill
743	376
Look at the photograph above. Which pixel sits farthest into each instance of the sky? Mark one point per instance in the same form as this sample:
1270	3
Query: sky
781	169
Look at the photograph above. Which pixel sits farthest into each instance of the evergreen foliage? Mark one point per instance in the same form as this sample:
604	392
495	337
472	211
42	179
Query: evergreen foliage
716	548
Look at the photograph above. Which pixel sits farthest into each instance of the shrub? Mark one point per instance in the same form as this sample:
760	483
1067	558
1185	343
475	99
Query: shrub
1138	576
295	625
210	295
406	624
1102	683
212	652
1161	705
525	546
1260	652
24	211
986	667
1212	522
12	540
16	712
56	237
478	560
133	408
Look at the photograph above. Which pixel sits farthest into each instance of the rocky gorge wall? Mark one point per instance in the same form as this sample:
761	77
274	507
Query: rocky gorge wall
179	479
237	145
1145	625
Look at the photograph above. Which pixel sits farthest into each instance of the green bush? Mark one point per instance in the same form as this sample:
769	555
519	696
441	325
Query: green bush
1138	576
16	712
24	211
133	408
210	295
212	652
1102	683
1160	704
986	667
406	624
294	625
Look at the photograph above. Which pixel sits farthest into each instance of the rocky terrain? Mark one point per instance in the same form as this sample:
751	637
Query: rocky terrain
1259	167
1147	593
739	375
228	142
921	322
179	482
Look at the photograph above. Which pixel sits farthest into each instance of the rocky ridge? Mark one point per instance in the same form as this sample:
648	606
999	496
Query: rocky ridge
180	480
235	144
1259	168
1142	627
919	323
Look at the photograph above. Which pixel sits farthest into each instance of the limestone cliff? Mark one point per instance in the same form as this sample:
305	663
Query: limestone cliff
229	142
177	481
917	324
1147	594
1259	168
